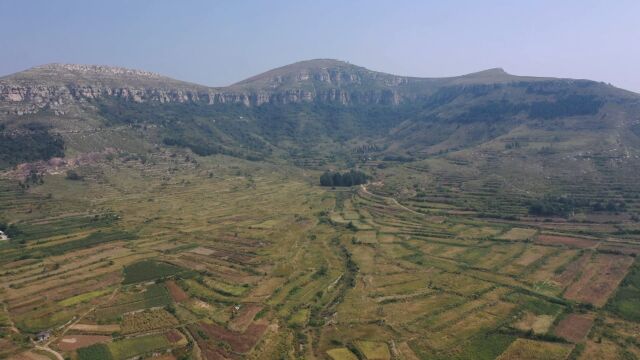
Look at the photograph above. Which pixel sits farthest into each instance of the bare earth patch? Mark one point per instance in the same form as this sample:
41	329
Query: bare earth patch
600	277
574	327
96	329
177	294
73	342
567	241
29	355
238	342
202	251
245	316
539	324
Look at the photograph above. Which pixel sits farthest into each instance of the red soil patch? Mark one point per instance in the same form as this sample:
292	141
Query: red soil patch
565	240
574	327
177	294
239	342
208	347
173	336
73	342
245	316
600	277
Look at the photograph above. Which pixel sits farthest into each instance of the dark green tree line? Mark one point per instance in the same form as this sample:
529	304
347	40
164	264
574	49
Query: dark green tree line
350	178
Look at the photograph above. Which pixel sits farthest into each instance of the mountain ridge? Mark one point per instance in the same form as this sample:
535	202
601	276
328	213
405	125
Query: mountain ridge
300	79
58	87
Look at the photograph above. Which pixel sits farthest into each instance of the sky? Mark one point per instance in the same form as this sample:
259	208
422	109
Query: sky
218	43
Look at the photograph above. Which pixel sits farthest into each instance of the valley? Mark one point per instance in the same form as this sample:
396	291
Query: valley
500	219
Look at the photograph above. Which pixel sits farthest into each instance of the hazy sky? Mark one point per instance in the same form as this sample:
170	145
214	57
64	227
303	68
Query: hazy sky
221	42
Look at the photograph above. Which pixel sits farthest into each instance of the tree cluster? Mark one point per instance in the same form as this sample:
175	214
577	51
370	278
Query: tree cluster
350	178
32	144
9	229
565	206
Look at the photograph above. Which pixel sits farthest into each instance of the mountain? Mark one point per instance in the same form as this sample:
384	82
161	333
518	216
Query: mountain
328	81
526	133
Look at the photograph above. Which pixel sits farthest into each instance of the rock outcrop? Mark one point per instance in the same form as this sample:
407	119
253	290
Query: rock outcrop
57	86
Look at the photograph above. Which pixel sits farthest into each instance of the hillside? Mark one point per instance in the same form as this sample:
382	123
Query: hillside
505	129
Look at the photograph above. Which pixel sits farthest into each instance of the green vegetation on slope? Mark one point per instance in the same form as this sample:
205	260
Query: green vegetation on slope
149	270
30	143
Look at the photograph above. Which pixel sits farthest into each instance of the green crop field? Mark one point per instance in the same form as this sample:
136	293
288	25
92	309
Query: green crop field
149	271
95	352
131	347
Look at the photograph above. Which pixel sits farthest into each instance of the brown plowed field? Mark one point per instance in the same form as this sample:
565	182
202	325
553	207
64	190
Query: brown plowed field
244	317
567	241
600	277
239	342
177	294
574	327
73	342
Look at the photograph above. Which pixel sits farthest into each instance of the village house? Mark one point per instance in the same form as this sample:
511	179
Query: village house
43	336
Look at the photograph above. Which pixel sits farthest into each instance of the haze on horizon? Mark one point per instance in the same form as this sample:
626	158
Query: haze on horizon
219	43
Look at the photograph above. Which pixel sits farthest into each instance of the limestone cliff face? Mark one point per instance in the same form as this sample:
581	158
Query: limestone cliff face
58	86
32	96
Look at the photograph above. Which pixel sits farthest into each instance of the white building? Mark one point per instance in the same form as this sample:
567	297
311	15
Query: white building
3	236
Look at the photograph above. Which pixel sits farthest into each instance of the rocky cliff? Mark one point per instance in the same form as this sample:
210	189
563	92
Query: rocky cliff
57	86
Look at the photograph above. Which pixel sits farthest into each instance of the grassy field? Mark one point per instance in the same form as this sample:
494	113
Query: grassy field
131	347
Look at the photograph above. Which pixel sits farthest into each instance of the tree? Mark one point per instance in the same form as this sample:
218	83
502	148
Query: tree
326	179
72	175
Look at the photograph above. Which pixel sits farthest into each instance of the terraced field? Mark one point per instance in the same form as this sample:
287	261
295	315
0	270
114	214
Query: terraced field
218	258
438	287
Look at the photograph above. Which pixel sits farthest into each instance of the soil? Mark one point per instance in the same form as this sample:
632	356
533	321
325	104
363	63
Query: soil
177	294
567	241
73	342
574	327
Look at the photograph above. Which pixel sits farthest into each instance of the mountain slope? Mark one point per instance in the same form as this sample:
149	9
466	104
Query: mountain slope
527	134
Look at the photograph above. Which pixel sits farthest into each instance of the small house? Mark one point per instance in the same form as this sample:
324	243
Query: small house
43	336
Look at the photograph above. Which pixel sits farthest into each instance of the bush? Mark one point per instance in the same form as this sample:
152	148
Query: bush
74	176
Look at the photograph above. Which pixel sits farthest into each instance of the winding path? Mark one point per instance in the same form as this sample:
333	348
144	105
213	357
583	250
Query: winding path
51	351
